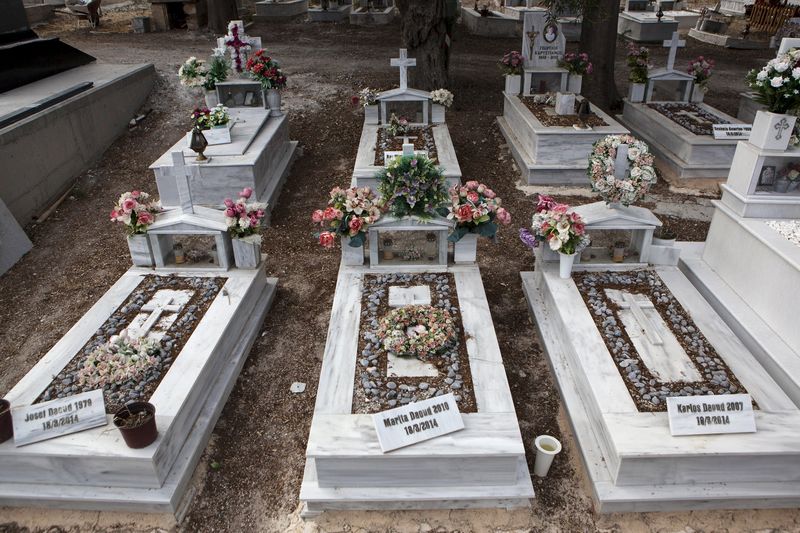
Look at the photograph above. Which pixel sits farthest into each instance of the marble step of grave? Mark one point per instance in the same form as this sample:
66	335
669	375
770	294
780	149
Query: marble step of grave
365	168
259	156
482	465
94	469
283	10
681	154
633	462
375	16
550	155
755	286
645	27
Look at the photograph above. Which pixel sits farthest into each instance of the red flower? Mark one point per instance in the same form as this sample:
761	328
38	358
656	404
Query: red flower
356	223
464	212
327	239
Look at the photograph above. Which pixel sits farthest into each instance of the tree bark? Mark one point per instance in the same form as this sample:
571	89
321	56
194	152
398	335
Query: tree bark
424	28
220	13
599	39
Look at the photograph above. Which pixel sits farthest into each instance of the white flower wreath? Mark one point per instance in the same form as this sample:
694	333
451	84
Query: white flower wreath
638	180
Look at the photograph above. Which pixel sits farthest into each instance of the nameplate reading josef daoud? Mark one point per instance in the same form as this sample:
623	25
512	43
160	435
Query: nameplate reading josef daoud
417	422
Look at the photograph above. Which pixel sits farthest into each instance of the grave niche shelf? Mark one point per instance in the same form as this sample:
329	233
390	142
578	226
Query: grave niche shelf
408	234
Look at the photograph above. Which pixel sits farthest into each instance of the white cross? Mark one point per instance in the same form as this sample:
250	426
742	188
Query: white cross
621	163
403	62
673	45
408	147
644	323
163	301
182	173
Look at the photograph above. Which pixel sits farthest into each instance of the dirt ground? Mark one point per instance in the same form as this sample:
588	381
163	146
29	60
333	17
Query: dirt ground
259	460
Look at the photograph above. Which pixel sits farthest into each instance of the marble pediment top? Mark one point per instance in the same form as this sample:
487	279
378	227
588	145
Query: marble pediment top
600	215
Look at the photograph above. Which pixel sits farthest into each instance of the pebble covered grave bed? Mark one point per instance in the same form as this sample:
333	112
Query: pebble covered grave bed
676	112
788	228
374	389
421	137
550	119
204	290
647	392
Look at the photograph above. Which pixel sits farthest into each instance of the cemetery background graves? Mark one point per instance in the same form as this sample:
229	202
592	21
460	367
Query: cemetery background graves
250	473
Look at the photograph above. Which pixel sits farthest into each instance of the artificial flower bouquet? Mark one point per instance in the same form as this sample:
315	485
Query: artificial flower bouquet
244	219
136	211
266	71
777	84
701	68
218	116
637	181
366	97
442	97
511	63
349	214
193	72
121	359
638	59
553	223
398	126
412	185
419	331
475	208
577	64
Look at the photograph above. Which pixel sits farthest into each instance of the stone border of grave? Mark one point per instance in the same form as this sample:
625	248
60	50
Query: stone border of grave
420	136
670	110
94	469
633	462
345	468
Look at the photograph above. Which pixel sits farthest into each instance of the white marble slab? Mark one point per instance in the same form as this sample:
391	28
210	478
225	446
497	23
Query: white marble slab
403	296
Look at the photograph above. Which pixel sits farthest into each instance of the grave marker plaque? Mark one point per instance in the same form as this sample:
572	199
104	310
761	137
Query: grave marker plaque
47	420
543	43
709	415
417	422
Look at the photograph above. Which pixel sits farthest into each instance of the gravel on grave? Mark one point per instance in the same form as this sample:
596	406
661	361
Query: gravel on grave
374	391
672	110
117	395
421	136
790	229
647	392
540	111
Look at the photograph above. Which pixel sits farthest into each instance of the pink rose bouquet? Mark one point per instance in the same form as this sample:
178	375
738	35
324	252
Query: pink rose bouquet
577	64
475	209
511	63
349	214
701	68
563	230
243	218
136	211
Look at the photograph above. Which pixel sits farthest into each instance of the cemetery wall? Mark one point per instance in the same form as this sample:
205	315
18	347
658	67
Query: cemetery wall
72	134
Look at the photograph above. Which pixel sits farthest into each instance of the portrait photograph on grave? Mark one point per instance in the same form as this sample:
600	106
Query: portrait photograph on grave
399	266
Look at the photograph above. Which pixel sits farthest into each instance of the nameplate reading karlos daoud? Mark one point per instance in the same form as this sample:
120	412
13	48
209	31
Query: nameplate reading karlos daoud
417	422
706	415
46	420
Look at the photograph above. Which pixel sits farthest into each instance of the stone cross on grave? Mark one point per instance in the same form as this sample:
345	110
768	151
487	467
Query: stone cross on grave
163	301
673	45
621	163
238	44
408	147
403	62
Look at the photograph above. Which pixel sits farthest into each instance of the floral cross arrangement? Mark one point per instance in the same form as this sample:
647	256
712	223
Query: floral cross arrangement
419	331
701	68
511	63
777	84
475	208
121	359
266	71
412	185
244	219
553	223
397	126
349	214
442	97
136	211
577	64
638	179
237	45
638	62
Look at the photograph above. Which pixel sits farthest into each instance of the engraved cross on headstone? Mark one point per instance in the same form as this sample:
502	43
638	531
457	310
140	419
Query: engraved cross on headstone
403	62
673	45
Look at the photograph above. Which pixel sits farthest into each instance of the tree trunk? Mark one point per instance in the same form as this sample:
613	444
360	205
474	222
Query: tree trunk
599	38
220	13
424	29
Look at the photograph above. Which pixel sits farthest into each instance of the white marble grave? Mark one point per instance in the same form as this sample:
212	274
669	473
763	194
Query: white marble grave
277	10
94	469
644	26
632	461
374	13
337	11
482	465
259	156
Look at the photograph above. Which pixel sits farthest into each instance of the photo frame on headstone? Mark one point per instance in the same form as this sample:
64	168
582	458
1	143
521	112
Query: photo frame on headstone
766	177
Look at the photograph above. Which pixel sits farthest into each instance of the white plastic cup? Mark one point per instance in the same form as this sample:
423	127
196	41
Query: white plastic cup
546	449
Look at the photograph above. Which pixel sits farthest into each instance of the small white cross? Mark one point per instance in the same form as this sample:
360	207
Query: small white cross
163	301
645	324
403	62
673	45
621	163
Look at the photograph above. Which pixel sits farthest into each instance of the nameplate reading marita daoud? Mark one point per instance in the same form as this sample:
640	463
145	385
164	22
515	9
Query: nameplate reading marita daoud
46	420
417	422
707	415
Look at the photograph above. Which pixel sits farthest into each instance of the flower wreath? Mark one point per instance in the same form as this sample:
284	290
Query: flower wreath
639	178
416	331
